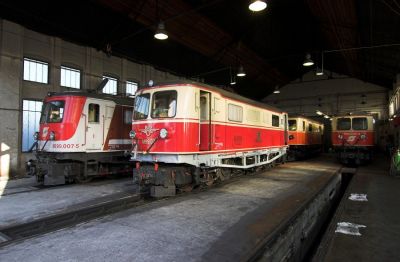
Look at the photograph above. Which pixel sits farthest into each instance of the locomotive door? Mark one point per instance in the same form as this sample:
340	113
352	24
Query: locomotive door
94	126
205	121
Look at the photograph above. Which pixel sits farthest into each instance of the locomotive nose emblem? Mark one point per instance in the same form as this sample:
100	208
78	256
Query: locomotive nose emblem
148	130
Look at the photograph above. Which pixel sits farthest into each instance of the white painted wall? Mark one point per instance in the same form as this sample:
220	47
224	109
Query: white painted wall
336	94
17	42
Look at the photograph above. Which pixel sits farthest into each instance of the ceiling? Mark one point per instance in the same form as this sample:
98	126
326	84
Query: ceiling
208	39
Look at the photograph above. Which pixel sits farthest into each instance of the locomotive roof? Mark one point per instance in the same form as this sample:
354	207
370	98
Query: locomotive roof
120	100
218	90
354	115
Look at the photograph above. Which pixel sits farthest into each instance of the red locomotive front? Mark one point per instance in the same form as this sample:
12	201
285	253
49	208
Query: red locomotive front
353	138
189	133
81	135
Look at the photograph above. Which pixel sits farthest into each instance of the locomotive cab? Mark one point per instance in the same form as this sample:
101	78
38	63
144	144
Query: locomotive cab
81	135
353	138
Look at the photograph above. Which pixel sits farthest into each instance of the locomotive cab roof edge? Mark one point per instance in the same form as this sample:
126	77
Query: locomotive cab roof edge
221	91
121	100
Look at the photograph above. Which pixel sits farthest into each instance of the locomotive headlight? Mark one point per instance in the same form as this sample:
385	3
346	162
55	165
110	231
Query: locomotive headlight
52	135
163	133
340	136
132	134
36	136
363	136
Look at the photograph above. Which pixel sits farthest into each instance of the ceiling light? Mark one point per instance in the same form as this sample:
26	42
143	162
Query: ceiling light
257	6
241	72
161	33
319	113
326	116
277	91
308	61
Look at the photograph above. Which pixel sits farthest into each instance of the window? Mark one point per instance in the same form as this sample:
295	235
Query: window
36	71
70	77
310	129
30	122
131	88
360	123
111	86
141	109
235	113
94	113
275	120
292	125
128	116
343	124
304	125
53	112
164	104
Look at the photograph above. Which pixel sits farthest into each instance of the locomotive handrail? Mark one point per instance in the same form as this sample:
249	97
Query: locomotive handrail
86	129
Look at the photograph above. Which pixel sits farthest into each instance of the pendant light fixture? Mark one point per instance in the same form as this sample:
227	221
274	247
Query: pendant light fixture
233	77
308	61
257	6
320	71
277	91
161	33
241	72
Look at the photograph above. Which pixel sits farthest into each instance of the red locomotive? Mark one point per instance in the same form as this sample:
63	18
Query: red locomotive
353	138
305	137
82	135
187	134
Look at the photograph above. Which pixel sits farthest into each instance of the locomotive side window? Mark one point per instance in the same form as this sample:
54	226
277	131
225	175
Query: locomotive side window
343	124
275	120
304	125
310	127
164	104
360	123
94	112
53	112
141	110
235	113
292	125
128	116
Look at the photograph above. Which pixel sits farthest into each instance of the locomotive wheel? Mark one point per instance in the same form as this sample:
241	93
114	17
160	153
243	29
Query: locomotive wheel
209	180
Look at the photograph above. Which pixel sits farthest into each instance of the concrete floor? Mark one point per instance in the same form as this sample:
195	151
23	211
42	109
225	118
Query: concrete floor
25	206
186	228
380	238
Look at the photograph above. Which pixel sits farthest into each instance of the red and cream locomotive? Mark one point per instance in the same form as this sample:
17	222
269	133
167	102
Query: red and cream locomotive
187	134
353	138
305	137
82	135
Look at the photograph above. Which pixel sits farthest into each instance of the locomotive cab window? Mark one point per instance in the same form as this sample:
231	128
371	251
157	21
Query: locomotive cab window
360	123
94	112
343	123
292	125
53	112
164	104
275	120
141	109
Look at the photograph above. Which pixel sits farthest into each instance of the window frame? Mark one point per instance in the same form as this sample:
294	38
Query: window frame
71	68
37	61
337	123
352	123
295	124
133	82
98	114
273	123
148	96
110	77
153	101
29	136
